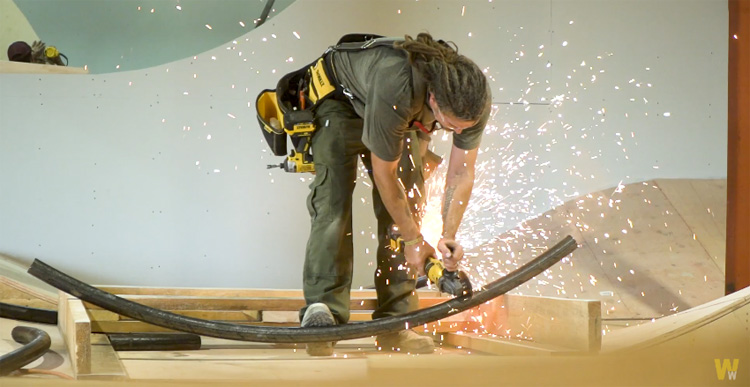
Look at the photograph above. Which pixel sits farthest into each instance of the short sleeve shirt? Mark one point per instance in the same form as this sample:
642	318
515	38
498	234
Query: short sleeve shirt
388	100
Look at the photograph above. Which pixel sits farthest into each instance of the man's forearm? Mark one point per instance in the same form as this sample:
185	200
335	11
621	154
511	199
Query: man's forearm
456	199
394	199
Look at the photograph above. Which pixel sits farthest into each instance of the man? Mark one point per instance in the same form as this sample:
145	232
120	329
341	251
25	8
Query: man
397	95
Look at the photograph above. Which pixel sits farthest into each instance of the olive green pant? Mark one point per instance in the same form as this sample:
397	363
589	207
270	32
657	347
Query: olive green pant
327	275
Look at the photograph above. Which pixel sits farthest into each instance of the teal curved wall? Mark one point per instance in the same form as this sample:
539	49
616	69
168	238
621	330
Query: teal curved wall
120	35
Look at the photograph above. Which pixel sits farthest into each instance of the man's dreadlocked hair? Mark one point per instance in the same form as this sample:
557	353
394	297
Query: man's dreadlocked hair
459	86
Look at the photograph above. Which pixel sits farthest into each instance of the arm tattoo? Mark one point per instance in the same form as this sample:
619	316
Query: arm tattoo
447	201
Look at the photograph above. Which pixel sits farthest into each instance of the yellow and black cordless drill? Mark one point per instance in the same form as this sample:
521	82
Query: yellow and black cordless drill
456	283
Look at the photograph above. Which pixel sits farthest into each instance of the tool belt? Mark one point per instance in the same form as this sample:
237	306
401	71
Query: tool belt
289	110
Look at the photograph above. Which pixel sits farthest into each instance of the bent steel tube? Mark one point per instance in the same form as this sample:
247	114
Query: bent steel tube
301	335
154	341
25	313
36	341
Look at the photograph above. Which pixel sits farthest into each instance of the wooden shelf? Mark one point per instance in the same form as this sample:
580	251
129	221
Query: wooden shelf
8	67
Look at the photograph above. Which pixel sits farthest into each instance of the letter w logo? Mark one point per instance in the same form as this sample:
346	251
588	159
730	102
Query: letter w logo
726	368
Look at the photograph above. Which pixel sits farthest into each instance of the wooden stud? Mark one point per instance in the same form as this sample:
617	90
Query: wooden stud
75	327
738	157
174	303
133	326
214	315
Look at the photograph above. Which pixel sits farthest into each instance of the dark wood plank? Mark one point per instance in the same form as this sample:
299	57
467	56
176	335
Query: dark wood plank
738	158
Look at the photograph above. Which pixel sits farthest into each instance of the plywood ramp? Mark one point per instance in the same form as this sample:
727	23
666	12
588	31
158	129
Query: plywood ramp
729	314
646	249
19	288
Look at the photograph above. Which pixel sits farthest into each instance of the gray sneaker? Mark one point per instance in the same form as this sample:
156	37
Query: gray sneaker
405	341
318	315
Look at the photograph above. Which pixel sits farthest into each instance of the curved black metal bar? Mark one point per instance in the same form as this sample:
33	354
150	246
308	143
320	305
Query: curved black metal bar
301	335
25	313
154	341
36	341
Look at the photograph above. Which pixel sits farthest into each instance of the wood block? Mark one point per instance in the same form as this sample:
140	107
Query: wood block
75	327
105	364
557	322
281	316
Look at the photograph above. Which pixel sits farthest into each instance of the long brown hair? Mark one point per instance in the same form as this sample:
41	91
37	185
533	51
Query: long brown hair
459	85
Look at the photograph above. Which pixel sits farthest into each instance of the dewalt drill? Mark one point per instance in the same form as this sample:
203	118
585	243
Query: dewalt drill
302	128
456	283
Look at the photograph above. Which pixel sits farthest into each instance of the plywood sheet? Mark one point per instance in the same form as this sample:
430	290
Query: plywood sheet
702	205
13	276
637	254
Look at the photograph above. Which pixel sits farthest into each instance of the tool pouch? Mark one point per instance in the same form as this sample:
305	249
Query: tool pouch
269	117
292	104
288	111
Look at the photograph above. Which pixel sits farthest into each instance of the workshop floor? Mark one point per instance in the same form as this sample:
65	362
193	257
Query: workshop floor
669	260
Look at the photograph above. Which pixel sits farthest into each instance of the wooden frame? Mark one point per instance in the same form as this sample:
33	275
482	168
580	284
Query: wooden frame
507	325
538	325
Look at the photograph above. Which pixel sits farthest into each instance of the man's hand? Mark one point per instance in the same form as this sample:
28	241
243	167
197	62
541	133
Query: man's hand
452	253
416	256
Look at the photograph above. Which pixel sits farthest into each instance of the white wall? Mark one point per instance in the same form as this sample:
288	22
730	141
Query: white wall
13	27
113	178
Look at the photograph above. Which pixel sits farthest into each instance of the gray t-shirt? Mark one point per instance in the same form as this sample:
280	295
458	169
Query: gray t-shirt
389	97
